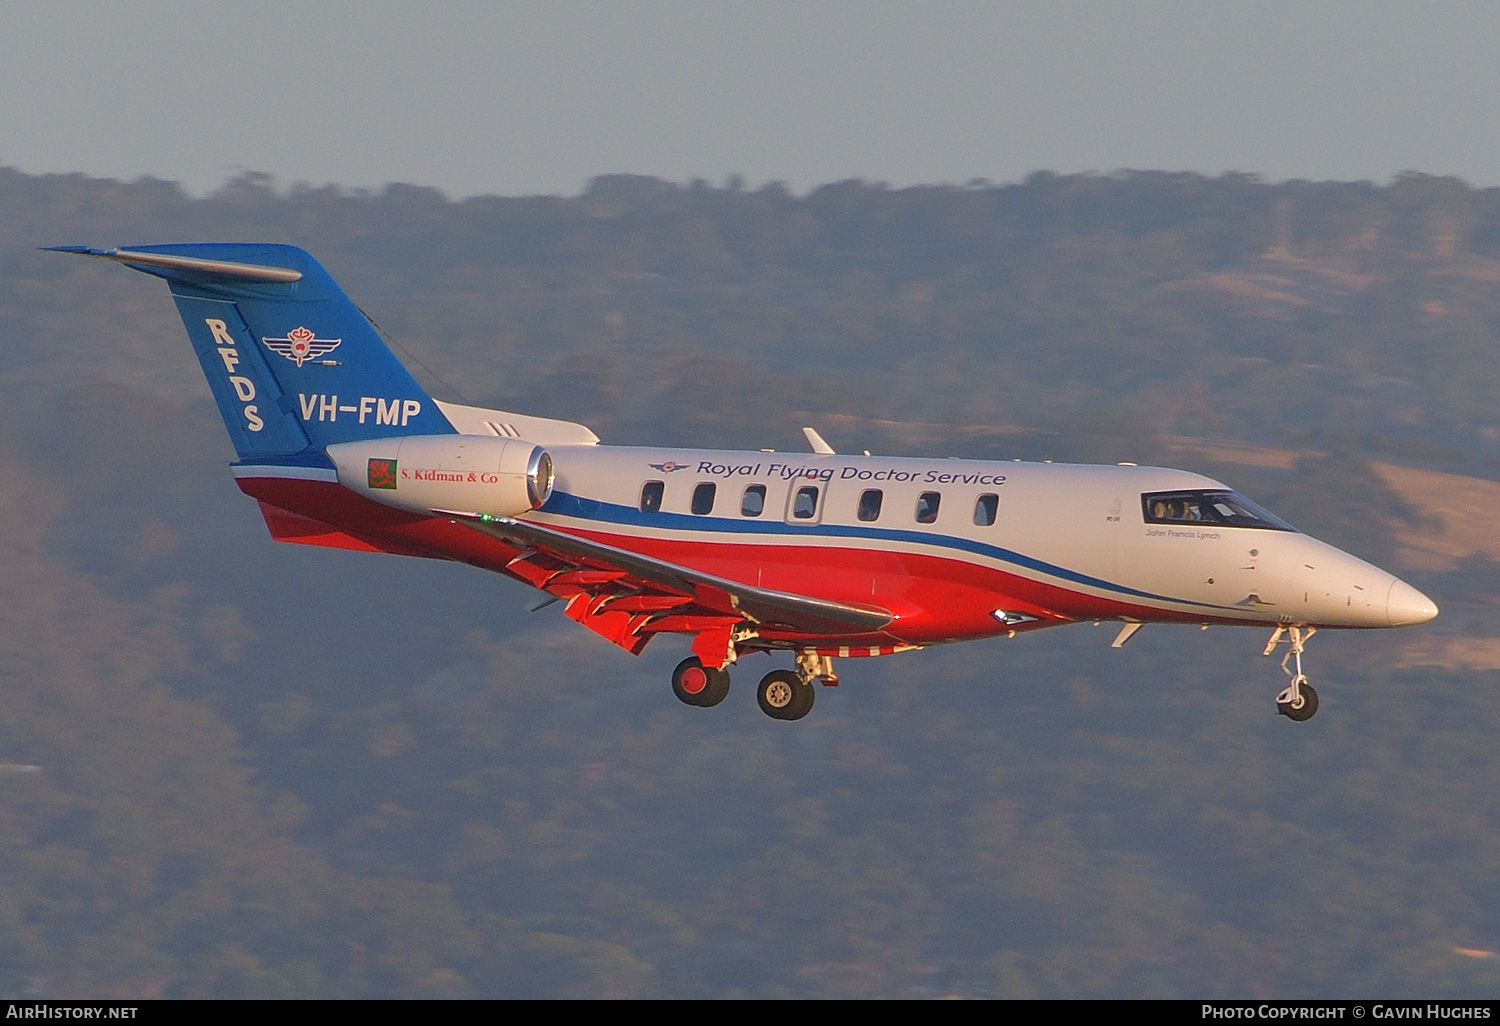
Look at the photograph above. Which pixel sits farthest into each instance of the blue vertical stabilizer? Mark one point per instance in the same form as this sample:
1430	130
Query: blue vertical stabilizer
293	364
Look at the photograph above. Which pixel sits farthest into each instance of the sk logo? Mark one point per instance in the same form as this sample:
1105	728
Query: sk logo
300	346
382	474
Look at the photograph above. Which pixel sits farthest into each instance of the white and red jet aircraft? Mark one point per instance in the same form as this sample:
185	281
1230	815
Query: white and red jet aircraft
819	555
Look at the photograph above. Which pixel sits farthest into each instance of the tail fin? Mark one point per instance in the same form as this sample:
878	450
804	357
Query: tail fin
293	364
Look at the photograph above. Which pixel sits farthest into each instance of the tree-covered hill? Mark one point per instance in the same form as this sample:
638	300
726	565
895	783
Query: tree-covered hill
229	767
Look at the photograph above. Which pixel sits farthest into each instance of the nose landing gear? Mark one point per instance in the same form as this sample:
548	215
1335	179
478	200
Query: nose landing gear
1297	701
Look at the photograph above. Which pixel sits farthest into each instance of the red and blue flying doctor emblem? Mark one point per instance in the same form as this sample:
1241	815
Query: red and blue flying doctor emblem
299	346
668	467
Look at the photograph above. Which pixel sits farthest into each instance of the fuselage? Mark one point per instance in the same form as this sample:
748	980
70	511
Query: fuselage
959	549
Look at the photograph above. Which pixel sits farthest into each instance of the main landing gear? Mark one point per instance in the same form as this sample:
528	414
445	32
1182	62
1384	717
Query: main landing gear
1297	701
789	694
698	685
782	694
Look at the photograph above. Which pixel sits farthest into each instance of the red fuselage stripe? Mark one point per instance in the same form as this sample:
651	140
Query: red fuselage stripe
935	598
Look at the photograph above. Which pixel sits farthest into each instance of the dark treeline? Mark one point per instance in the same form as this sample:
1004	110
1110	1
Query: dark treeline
229	767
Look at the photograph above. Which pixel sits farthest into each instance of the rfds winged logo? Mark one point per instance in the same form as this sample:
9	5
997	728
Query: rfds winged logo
299	346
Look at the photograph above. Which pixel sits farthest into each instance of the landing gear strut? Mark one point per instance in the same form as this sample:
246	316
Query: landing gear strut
1297	701
698	685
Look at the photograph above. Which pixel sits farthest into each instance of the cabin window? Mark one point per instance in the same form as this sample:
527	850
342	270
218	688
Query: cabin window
703	498
805	504
754	502
1208	509
927	507
869	504
985	508
651	496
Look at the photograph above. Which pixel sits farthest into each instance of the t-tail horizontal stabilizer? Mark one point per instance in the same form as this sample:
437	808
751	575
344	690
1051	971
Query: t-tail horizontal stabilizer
184	266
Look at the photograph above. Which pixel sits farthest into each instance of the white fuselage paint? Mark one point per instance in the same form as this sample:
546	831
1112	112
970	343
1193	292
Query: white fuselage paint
1079	528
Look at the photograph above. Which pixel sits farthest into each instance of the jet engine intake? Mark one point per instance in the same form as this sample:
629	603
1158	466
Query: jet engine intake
465	473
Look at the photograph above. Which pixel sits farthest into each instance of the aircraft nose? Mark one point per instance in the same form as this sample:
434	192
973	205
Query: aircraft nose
1406	605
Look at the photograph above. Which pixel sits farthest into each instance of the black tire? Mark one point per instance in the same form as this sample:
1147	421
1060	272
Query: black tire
785	696
807	692
1309	705
697	685
718	687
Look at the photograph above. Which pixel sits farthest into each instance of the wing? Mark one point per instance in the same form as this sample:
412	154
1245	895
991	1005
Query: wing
653	595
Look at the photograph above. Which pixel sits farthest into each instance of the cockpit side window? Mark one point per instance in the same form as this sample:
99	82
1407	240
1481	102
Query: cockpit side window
1208	509
651	493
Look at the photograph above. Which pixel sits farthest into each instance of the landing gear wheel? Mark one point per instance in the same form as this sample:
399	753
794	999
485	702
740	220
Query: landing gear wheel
1297	701
783	695
698	685
1302	707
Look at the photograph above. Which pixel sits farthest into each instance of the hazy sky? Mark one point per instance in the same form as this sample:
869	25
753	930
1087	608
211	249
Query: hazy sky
510	98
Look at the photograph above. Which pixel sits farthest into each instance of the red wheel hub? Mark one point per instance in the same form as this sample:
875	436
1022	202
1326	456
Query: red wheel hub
694	680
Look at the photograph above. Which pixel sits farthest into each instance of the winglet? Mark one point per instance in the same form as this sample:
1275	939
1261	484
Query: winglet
166	261
815	440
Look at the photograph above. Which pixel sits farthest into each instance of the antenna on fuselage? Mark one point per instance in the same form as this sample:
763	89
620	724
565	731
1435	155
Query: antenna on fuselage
815	440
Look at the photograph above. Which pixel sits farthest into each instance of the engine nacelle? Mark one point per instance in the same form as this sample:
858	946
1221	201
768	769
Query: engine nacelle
465	473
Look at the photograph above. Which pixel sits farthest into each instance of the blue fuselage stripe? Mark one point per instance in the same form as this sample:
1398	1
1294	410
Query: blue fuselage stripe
608	513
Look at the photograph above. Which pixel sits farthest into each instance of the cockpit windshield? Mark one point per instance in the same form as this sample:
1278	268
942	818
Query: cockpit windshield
1213	508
